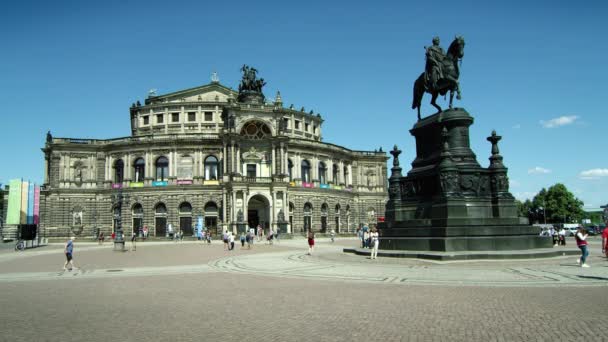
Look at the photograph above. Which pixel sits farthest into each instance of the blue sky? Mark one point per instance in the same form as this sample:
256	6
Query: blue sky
535	72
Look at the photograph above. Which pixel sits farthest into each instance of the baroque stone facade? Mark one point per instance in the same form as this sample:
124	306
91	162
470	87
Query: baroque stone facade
202	152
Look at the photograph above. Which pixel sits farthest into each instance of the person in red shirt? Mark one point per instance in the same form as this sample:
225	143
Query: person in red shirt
605	240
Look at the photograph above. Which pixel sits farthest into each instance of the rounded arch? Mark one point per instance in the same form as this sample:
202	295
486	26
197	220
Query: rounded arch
211	208
185	208
324	209
160	209
305	167
322	172
337	208
139	169
162	168
211	167
267	198
119	171
256	129
137	209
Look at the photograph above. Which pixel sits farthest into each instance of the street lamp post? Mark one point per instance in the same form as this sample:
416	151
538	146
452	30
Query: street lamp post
119	241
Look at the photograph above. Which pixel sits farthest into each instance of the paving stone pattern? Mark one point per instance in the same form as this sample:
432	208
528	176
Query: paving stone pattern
281	294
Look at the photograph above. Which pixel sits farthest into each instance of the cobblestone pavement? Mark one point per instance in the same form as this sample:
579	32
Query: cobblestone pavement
165	291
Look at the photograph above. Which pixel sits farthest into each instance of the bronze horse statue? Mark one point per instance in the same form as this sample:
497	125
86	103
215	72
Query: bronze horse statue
449	82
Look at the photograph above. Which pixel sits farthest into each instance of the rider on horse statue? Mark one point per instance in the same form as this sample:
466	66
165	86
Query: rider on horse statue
433	70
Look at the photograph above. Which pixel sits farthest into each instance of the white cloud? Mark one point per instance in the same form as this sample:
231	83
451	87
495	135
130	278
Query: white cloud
593	174
518	126
524	195
538	170
561	121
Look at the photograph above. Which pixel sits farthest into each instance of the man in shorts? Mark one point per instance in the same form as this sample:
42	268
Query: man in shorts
69	250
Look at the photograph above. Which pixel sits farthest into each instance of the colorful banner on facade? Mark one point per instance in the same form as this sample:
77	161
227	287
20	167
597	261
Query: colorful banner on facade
184	182
13	213
36	204
136	185
324	186
30	204
160	183
307	185
23	212
212	182
116	185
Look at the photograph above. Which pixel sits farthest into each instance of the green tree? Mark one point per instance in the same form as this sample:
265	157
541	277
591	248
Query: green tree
524	208
558	204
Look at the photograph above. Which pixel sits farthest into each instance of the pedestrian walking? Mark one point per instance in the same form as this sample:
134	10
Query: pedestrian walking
225	239
581	242
69	254
311	241
374	237
332	235
134	242
277	234
365	239
100	238
208	237
231	240
145	232
260	233
249	239
113	235
242	239
270	236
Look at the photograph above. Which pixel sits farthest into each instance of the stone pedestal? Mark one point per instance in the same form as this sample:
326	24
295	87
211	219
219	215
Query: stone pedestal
447	201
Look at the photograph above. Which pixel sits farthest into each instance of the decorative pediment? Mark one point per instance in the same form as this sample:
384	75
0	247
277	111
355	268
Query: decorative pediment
253	155
213	92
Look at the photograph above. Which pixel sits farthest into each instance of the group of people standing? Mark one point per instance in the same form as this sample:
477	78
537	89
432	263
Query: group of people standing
369	239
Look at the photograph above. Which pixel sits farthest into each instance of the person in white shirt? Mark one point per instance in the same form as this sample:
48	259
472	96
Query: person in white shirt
374	237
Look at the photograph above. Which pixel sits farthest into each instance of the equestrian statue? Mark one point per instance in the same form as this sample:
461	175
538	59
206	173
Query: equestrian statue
440	74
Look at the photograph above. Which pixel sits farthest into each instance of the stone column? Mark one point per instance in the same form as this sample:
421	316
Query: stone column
232	159
238	159
224	158
224	208
274	162
233	207
273	217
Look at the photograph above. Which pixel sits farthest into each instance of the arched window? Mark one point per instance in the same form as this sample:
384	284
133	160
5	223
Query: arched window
337	217
185	208
323	217
211	168
307	216
160	220
305	171
162	169
211	217
322	173
160	209
119	171
290	169
334	174
256	130
139	169
137	212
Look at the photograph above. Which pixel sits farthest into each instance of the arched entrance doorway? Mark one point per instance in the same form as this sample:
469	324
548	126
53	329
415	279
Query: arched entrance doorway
211	215
258	212
160	220
137	212
185	219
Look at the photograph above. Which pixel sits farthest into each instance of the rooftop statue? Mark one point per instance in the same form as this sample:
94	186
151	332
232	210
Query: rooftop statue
250	81
440	74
